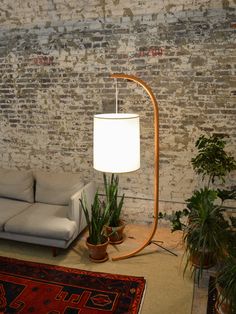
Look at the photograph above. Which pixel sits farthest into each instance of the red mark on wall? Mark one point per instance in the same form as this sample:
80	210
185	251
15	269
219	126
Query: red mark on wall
43	60
233	25
151	52
148	52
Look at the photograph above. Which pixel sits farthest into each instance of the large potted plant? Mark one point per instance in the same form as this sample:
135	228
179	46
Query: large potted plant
226	279
116	225
213	164
205	236
206	232
203	221
96	217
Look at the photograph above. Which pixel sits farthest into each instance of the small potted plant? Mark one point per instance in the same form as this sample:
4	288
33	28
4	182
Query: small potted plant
96	217
115	225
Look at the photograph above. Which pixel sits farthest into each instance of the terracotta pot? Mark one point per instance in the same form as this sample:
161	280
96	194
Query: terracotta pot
205	262
115	234
98	253
221	307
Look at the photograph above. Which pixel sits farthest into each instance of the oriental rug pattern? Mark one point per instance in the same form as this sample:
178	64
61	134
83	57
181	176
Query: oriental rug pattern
27	287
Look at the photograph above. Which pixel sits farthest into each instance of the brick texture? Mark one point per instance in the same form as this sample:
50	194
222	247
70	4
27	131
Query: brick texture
56	58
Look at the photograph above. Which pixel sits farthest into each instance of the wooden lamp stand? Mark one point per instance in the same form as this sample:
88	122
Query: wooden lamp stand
156	165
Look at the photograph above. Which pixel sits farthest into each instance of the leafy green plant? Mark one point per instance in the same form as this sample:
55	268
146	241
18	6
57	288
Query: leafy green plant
226	279
111	199
226	194
206	231
212	160
231	243
226	276
176	218
233	223
96	218
207	234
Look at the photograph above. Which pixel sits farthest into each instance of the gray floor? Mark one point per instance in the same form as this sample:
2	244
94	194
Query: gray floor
144	264
201	292
162	271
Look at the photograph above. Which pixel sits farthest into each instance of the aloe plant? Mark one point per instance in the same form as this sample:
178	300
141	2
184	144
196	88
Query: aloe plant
111	199
96	218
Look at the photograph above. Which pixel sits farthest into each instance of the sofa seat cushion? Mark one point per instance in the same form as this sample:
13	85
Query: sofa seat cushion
17	184
56	187
43	220
10	208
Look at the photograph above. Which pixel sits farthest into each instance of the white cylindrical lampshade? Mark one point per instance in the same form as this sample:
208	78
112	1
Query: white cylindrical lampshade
116	142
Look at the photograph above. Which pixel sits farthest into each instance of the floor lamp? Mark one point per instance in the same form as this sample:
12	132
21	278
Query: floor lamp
117	149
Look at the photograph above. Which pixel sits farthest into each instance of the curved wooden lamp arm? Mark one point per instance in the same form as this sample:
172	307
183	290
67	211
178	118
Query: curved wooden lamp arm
156	162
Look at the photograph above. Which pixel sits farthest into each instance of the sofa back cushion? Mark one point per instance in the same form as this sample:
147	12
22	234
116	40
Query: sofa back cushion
17	184
55	187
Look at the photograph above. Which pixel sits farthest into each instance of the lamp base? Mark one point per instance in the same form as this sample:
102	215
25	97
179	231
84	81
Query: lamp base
138	250
155	242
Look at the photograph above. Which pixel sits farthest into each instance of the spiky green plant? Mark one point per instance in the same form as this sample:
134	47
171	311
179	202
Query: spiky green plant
206	231
231	243
226	279
226	276
96	218
111	186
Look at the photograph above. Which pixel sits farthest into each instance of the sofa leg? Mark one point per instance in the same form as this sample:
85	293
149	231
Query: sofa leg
54	251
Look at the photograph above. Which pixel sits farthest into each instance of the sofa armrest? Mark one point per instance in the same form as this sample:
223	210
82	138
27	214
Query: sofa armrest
75	210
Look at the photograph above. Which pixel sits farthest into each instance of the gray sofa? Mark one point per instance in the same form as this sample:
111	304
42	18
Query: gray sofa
42	207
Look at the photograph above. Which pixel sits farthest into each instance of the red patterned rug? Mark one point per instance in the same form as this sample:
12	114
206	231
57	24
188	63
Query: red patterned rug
27	287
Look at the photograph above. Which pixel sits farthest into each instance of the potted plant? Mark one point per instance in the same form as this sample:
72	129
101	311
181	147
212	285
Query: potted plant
212	163
206	233
96	218
202	221
212	160
226	279
205	236
115	226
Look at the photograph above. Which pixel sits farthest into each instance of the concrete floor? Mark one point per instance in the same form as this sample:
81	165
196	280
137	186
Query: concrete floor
163	271
200	295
